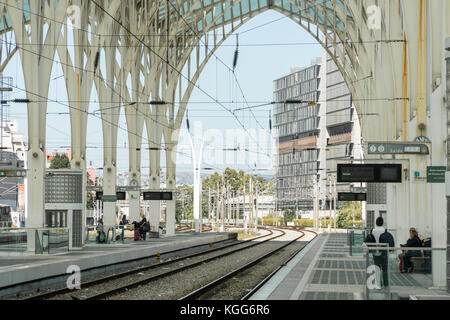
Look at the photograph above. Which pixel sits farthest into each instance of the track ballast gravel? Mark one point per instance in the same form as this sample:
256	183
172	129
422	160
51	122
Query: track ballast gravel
180	284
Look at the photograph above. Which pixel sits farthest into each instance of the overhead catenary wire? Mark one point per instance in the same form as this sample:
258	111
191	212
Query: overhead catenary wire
84	69
231	69
168	63
109	122
94	70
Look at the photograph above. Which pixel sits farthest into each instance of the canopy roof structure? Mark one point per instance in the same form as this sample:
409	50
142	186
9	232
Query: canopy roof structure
390	53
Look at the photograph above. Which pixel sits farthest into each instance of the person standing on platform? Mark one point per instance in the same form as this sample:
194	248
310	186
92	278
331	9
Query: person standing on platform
100	233
380	257
142	227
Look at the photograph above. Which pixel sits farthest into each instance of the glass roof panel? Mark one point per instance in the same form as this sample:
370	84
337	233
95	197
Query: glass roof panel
245	6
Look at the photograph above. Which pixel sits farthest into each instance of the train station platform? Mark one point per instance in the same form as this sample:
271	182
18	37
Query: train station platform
325	270
27	273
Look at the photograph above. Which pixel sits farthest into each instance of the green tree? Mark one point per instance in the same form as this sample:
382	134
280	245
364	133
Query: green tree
346	211
288	215
90	194
60	161
186	192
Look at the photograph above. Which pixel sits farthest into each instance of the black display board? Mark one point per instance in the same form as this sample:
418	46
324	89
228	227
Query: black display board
349	196
121	195
375	173
154	195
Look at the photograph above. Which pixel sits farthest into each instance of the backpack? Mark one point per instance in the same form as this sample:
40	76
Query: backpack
102	237
370	238
387	237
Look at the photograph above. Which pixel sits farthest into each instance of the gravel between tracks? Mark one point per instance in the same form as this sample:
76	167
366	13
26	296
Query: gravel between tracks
180	284
99	288
236	287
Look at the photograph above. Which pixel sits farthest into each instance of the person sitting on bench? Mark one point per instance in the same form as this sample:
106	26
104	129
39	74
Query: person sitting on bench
415	242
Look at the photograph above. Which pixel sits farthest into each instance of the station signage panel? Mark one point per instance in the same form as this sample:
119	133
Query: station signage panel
397	148
358	190
375	173
13	173
109	198
436	174
128	188
157	195
350	196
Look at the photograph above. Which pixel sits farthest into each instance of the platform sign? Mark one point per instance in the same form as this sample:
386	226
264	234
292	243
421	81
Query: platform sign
94	188
397	148
350	196
128	188
358	190
436	174
109	198
13	173
375	173
118	188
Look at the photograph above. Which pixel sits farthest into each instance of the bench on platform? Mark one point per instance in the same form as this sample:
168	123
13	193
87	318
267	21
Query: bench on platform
423	263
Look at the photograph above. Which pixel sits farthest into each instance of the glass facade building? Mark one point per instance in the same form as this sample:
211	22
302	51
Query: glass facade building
313	137
297	127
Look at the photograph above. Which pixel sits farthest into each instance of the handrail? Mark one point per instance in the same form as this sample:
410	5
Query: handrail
365	246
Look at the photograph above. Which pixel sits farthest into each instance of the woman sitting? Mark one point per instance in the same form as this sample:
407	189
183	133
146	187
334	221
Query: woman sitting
413	242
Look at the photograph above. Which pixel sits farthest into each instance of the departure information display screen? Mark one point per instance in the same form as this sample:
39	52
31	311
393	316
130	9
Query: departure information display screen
121	195
158	196
376	173
349	196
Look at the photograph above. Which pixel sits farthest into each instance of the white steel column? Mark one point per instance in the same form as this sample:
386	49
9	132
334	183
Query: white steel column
37	54
109	90
197	162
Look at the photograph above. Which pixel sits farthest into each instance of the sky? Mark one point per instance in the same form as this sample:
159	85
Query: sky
259	63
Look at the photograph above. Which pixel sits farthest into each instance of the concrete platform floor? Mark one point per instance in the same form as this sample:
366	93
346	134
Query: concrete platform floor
21	270
324	270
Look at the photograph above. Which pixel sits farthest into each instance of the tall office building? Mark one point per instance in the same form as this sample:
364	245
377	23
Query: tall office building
314	135
300	132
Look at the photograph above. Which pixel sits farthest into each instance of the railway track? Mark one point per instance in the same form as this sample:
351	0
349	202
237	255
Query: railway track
174	285
187	227
231	284
93	285
114	285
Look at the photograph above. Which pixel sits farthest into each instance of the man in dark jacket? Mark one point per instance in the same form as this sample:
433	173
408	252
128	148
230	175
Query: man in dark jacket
413	242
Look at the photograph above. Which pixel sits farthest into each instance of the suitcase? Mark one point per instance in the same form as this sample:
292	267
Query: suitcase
400	265
136	235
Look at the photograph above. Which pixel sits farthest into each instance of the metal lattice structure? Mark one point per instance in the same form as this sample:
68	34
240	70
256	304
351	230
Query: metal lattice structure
390	53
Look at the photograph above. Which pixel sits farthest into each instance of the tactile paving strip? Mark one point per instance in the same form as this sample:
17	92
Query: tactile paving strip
326	296
338	277
340	264
333	255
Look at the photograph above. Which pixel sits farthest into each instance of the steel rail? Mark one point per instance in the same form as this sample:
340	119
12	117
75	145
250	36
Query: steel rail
88	284
213	284
140	282
266	279
61	291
